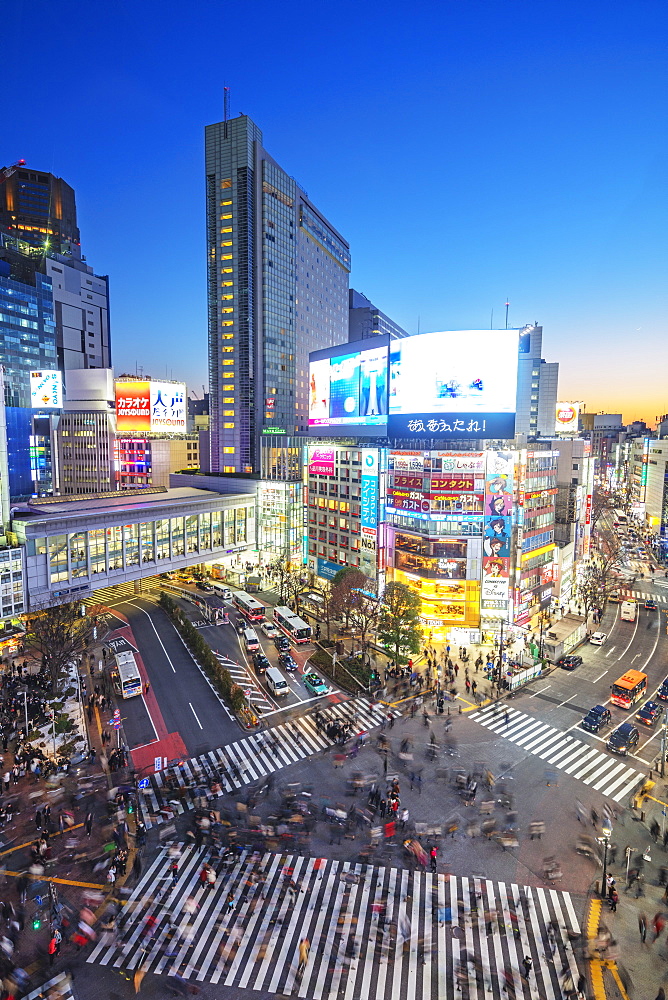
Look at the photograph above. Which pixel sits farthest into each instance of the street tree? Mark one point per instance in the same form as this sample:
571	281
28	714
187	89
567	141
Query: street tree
364	619
348	586
599	580
399	628
60	633
327	607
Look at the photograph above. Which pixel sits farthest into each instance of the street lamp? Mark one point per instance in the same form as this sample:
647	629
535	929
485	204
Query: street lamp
606	831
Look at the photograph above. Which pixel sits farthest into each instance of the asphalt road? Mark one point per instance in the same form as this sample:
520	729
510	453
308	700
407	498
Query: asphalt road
187	702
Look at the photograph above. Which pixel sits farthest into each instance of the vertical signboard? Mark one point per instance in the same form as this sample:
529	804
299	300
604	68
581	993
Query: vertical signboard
321	462
497	534
369	512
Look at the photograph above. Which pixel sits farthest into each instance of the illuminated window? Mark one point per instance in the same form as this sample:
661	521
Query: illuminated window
227	336
269	414
228	350
228	399
226	284
228	388
227	183
226	256
227	270
228	361
227	229
228	413
229	468
227	322
226	202
227	309
225	243
228	215
228	451
228	295
228	426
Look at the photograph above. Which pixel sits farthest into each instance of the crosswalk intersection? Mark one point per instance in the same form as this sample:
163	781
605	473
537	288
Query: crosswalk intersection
60	985
608	775
249	759
107	595
375	932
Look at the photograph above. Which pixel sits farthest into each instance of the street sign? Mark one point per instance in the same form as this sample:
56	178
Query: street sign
157	764
144	783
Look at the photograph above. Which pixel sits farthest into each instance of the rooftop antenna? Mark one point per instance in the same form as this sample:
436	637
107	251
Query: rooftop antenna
226	108
507	307
491	320
418	329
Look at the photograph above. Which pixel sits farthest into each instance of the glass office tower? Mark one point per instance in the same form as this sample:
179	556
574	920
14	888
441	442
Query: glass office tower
277	286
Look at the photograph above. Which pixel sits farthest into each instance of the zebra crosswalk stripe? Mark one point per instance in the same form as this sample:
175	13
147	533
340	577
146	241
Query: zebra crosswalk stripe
61	981
355	950
250	759
606	774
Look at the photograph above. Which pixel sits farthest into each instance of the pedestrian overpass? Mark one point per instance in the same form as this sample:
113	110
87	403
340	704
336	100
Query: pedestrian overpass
73	546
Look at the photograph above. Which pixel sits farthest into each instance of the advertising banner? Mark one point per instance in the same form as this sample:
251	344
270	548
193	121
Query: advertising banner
46	390
461	461
454	384
567	418
369	511
497	534
150	407
133	406
321	461
327	570
349	388
407	461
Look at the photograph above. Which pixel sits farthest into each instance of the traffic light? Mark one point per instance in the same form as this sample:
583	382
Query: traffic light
36	923
131	808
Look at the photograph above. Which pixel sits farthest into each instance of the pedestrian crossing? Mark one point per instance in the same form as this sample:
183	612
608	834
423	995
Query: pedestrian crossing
376	932
608	775
106	595
640	595
242	676
254	757
60	986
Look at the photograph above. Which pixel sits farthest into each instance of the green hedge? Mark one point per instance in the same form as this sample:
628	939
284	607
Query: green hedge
221	678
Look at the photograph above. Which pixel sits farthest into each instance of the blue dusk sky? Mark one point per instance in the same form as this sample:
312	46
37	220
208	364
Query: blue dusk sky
469	151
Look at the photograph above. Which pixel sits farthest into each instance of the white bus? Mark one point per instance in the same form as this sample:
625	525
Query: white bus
248	606
627	612
292	625
619	519
129	678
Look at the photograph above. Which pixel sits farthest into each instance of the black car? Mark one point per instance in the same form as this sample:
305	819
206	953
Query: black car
649	713
662	693
570	662
596	718
261	663
286	661
282	643
206	587
624	738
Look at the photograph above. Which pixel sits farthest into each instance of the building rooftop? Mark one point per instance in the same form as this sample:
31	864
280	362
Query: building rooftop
116	502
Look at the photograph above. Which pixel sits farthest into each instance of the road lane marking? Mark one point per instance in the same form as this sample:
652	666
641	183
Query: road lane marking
631	639
611	651
541	691
195	714
567	701
656	641
599	677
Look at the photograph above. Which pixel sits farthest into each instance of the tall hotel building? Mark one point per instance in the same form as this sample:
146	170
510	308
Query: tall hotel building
277	275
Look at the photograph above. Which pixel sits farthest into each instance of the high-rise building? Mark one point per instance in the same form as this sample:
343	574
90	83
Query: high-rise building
366	320
39	208
277	289
537	386
85	435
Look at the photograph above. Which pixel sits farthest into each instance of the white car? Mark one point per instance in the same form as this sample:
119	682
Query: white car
598	638
270	630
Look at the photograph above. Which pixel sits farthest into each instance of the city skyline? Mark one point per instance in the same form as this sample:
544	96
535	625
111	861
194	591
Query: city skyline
495	197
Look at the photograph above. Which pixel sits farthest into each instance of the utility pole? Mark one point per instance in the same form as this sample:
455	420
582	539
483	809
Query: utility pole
663	744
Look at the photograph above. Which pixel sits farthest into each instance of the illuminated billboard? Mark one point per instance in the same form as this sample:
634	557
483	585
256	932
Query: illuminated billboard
46	390
567	418
454	384
145	406
497	534
321	462
349	389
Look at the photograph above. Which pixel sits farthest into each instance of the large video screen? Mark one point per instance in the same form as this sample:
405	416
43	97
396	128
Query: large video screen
455	383
150	407
349	388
